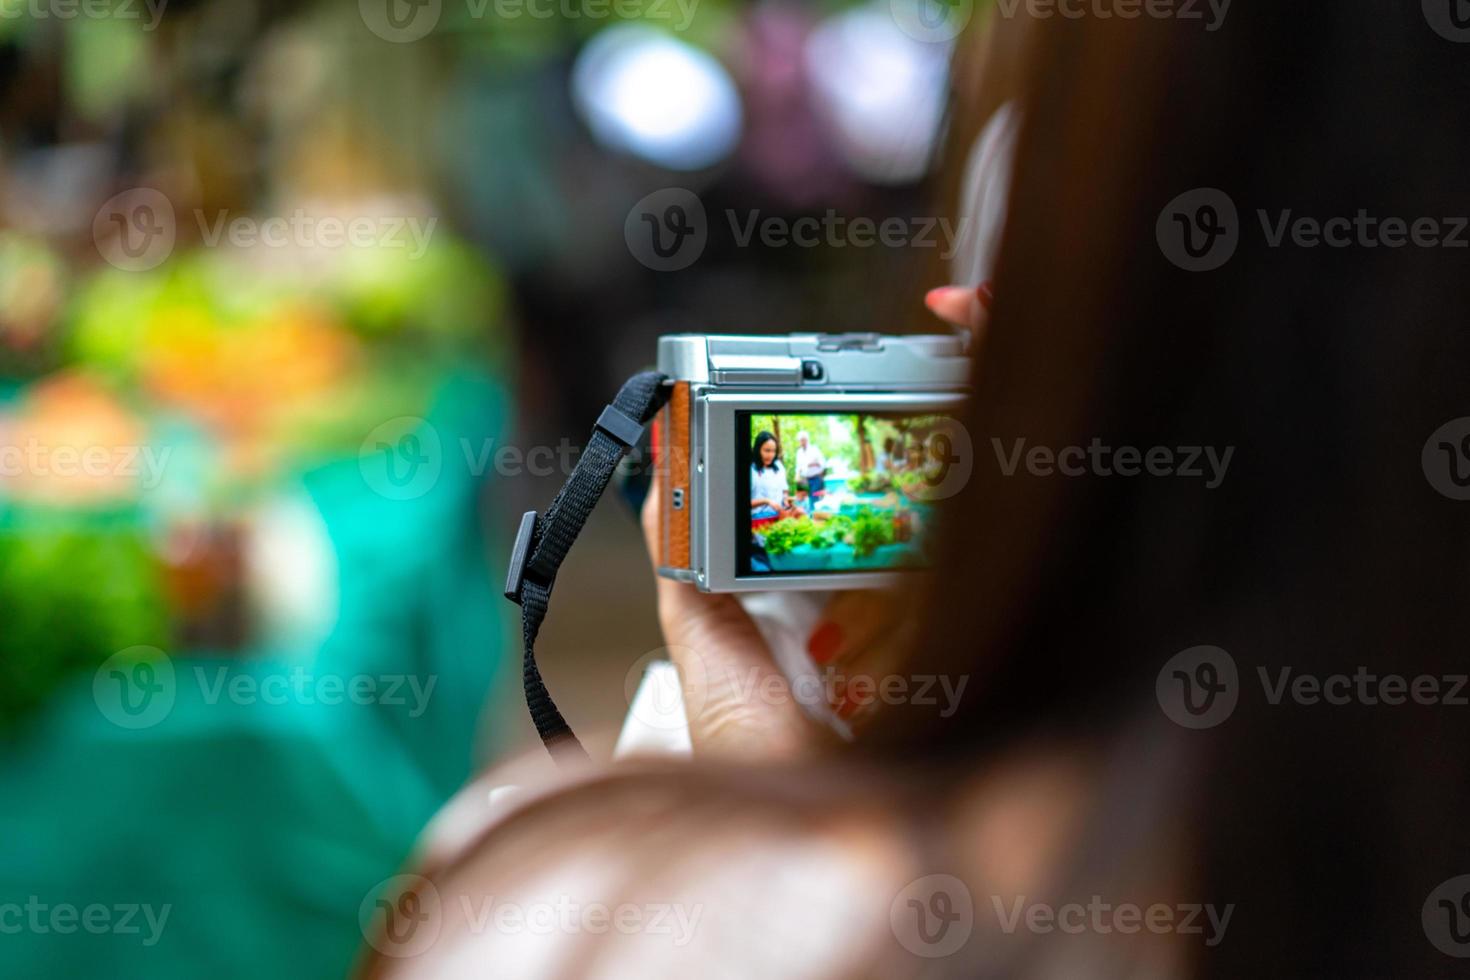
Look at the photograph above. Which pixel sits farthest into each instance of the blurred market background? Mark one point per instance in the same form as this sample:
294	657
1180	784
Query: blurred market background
287	293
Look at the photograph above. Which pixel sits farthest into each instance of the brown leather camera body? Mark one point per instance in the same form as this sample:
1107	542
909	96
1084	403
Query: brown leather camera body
672	452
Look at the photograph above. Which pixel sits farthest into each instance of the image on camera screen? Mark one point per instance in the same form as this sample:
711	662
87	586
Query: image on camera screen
832	493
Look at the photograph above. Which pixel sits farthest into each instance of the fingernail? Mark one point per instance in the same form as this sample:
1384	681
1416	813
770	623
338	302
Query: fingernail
939	295
824	642
852	701
986	295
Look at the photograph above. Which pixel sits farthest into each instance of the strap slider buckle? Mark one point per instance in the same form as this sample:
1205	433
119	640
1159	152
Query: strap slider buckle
619	426
520	553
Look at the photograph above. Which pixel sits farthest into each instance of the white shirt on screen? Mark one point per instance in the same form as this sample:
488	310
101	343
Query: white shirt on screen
810	461
768	484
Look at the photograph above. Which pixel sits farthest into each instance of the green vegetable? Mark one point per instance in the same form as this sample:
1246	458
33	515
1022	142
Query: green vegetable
788	533
870	531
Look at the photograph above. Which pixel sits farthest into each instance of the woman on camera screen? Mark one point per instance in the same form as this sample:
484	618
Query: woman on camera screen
769	496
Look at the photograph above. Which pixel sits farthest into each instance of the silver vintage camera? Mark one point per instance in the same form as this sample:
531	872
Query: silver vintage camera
808	461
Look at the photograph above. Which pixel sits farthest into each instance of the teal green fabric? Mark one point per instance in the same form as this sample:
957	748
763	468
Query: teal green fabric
259	828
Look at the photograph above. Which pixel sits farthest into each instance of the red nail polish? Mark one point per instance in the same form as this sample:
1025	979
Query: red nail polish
824	642
986	295
851	703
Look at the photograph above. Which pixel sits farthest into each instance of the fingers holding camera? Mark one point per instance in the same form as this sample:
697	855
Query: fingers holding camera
963	306
859	645
737	701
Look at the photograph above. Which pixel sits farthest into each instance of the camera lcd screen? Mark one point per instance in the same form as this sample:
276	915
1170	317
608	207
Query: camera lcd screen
823	494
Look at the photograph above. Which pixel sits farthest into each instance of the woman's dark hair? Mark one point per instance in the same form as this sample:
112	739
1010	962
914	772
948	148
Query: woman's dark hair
755	452
1329	546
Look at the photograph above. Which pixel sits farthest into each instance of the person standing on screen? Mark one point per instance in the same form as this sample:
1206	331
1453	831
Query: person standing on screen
811	466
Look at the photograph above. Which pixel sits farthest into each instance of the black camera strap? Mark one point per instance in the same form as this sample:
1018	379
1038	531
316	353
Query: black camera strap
543	541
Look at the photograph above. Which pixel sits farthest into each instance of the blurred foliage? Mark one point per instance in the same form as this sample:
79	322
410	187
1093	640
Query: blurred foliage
71	593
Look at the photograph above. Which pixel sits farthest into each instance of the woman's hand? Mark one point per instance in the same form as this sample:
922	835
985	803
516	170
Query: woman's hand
738	702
